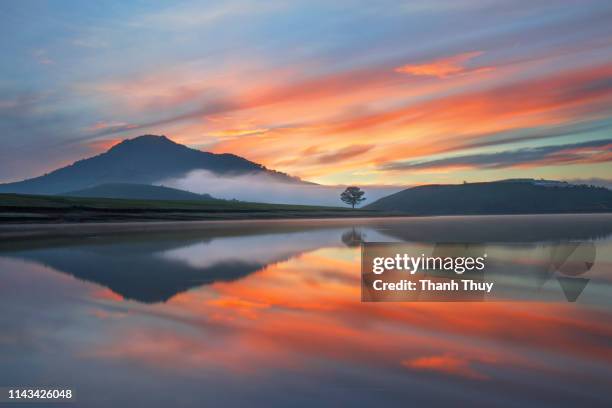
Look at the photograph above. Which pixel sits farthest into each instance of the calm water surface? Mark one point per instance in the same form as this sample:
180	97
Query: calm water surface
240	314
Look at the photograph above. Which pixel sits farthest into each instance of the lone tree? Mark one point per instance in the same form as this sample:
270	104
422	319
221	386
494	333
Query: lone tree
352	196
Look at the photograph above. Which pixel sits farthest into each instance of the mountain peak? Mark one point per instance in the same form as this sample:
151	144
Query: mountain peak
145	140
149	139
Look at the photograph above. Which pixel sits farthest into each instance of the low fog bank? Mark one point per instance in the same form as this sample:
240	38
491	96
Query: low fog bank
266	189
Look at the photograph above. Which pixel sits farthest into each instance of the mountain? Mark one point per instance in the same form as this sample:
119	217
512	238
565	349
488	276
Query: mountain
137	192
143	160
517	196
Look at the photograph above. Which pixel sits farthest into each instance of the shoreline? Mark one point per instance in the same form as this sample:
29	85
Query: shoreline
19	231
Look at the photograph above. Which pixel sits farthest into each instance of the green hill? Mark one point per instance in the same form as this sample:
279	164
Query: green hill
22	208
523	196
137	191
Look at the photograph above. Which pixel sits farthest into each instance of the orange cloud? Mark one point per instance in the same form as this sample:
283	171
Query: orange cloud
237	132
103	144
106	295
106	125
445	67
348	152
446	364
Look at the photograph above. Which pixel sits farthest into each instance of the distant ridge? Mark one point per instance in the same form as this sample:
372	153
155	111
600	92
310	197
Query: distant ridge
137	192
519	196
143	160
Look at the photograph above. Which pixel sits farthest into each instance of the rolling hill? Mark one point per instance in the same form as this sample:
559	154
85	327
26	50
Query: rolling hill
523	196
25	208
136	191
143	160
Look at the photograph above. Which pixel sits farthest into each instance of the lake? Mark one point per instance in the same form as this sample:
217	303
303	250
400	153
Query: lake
268	313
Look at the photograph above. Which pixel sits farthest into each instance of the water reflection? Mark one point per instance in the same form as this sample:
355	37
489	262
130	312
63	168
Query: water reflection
272	316
154	269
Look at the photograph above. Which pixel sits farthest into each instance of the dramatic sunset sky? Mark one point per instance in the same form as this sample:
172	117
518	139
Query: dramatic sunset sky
384	92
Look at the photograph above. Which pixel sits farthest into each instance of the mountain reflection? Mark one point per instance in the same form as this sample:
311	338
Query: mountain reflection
151	270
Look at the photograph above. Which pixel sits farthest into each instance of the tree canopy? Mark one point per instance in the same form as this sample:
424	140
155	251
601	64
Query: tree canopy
352	196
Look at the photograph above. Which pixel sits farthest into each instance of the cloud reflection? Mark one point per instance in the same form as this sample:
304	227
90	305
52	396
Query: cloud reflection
296	322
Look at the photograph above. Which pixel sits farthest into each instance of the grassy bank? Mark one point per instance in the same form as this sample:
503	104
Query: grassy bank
21	208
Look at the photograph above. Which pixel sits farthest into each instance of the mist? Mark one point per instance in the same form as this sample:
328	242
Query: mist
264	188
594	181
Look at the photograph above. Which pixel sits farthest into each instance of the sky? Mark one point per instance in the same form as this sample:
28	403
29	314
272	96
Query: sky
334	92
